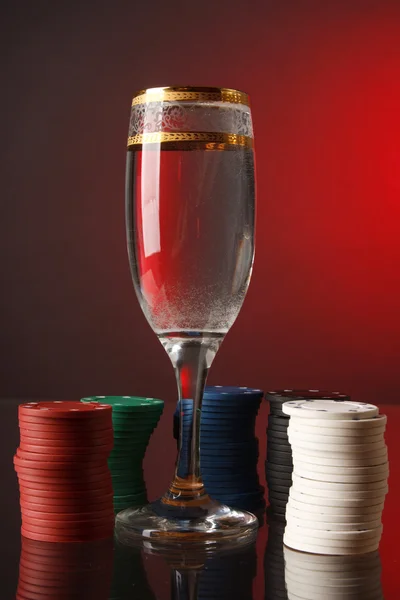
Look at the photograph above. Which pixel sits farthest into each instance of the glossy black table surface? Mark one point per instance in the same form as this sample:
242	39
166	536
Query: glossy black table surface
108	570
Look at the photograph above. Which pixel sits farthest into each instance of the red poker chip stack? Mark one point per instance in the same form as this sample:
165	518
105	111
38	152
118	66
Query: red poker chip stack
65	485
53	571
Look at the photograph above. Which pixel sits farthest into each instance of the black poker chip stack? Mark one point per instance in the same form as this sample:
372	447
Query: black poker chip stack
279	464
228	446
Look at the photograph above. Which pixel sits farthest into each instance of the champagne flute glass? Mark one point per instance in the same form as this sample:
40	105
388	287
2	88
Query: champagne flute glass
190	217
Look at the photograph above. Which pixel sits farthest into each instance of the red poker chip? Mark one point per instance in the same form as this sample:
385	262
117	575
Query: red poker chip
65	516
50	567
89	551
64	410
82	501
52	578
62	480
63	581
88	457
83	504
51	561
81	467
81	508
81	442
68	527
47	537
62	473
48	433
85	533
95	489
87	554
103	450
98	426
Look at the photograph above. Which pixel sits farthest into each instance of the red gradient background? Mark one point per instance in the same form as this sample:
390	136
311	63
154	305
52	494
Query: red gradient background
323	305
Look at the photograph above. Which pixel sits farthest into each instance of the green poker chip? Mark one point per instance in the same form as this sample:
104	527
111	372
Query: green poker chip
127	403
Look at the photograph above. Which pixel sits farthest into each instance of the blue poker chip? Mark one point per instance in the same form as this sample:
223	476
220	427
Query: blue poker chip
240	498
229	391
215	442
213	477
232	489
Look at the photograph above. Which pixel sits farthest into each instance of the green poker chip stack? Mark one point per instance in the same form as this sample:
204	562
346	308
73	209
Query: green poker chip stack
134	420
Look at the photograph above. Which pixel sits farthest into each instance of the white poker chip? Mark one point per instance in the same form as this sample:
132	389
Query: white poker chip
324	526
332	578
340	478
329	410
348	536
337	461
345	501
328	438
338	487
333	547
338	494
329	511
297	559
325	514
365	583
345	426
348	471
310	591
321	448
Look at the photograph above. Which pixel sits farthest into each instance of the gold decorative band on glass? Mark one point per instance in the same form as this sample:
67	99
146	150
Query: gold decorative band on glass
187	94
215	141
195	121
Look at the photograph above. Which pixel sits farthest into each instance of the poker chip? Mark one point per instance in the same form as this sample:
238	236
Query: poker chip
63	410
331	548
62	471
338	486
339	481
130	404
279	450
315	576
228	446
134	419
329	410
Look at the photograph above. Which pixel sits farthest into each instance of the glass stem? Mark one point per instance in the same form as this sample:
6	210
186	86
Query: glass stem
191	358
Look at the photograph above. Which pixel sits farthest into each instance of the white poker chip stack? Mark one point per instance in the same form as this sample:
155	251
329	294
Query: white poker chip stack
311	577
340	471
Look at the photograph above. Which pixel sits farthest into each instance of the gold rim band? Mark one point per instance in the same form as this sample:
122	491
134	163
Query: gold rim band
231	139
187	94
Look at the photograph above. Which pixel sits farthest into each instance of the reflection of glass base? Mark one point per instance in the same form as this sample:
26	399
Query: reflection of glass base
216	526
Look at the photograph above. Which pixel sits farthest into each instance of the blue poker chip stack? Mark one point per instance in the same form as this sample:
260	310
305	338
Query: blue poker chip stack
228	446
279	464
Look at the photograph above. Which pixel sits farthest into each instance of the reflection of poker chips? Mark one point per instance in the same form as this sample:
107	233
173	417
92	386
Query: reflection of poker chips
129	579
228	577
228	447
274	566
279	463
312	577
62	470
134	420
339	481
58	570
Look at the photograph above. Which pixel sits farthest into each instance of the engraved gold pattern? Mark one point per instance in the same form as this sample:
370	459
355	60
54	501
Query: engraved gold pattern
191	94
213	140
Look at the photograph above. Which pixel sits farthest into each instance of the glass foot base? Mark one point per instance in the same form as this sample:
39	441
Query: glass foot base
216	526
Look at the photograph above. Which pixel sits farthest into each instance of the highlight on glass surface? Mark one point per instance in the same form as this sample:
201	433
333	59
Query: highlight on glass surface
190	219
